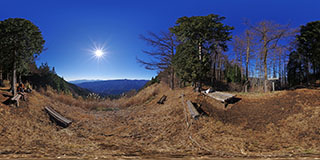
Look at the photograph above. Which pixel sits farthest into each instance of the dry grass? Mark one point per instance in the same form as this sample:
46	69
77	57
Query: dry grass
139	126
102	104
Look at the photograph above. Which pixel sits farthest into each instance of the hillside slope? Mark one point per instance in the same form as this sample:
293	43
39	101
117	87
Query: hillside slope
276	124
44	76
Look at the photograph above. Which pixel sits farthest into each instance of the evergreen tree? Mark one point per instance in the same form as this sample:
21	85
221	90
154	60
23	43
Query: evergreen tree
20	41
188	66
198	35
295	70
309	46
231	71
304	62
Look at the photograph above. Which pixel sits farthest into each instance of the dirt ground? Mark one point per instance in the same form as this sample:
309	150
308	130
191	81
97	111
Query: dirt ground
269	125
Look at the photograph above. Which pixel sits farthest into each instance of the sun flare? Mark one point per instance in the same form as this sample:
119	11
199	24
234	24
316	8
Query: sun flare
98	53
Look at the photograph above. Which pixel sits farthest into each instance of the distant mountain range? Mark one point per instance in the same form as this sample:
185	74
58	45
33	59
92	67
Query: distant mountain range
82	81
110	87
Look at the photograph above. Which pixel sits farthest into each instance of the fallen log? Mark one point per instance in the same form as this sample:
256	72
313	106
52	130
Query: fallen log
58	118
192	110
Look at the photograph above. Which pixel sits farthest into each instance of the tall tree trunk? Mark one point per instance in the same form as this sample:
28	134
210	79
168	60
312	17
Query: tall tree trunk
279	69
200	58
247	55
212	75
274	66
307	72
300	70
172	78
240	65
200	51
215	65
247	69
1	78
14	78
265	54
247	62
214	70
284	71
220	68
172	68
19	78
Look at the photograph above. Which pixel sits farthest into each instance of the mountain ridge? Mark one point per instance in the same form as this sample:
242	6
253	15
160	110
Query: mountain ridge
112	87
82	81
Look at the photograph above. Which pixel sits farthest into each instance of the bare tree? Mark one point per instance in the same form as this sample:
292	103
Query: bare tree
164	46
249	49
239	48
269	34
218	60
243	47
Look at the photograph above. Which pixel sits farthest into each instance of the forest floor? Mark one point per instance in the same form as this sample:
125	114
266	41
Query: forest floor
280	124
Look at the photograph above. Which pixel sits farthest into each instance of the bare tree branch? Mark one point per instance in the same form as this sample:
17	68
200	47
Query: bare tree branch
164	47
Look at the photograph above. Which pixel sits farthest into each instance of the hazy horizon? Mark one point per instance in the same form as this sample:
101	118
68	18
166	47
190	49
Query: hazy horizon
103	79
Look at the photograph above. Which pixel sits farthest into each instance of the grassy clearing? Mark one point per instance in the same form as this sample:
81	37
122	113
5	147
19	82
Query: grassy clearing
273	124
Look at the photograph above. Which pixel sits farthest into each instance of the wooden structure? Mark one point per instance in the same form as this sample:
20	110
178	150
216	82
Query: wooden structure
162	99
15	99
192	110
58	118
221	96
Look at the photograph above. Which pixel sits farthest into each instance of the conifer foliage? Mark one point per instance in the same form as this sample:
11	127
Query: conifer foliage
20	42
200	36
304	62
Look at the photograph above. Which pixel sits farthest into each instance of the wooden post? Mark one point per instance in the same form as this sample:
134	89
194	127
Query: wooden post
265	86
14	78
273	87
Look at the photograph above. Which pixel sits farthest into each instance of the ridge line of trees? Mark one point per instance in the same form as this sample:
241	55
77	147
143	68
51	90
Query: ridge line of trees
264	51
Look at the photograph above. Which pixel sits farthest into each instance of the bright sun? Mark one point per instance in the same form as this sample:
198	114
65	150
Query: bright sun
98	53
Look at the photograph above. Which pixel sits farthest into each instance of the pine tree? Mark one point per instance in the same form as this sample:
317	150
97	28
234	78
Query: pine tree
309	46
199	35
20	42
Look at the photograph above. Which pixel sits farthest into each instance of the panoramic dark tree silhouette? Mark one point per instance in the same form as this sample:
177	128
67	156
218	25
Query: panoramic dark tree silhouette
20	42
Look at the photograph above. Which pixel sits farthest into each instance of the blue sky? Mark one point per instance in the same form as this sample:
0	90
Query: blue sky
71	27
